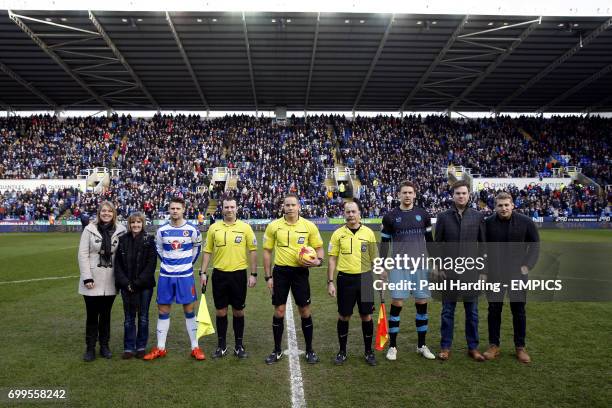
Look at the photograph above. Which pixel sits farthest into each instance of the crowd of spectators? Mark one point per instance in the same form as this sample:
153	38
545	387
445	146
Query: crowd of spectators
383	151
535	201
164	156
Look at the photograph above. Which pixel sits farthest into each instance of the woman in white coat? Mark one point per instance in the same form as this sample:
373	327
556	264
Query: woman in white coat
99	242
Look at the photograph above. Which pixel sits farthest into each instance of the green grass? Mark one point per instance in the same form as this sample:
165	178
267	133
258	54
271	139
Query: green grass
42	342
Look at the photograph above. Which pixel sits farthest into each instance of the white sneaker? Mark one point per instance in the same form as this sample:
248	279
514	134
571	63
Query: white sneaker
392	354
424	351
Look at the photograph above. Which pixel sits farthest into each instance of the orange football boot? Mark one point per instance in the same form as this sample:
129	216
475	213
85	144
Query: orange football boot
198	354
155	353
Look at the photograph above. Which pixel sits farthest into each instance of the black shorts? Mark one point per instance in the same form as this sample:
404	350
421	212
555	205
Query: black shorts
229	288
294	278
355	288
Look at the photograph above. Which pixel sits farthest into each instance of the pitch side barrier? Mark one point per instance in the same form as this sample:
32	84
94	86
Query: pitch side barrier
324	224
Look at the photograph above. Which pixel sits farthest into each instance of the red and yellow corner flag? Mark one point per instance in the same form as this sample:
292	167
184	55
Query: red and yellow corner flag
382	330
205	326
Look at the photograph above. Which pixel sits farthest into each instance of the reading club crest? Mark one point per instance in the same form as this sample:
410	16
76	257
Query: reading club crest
185	233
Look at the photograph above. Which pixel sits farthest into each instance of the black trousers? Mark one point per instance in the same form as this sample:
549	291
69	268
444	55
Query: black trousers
519	322
97	325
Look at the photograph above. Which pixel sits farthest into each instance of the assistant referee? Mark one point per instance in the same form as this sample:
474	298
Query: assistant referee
286	236
352	249
228	241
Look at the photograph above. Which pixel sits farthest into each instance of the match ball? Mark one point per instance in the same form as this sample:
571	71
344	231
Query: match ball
307	254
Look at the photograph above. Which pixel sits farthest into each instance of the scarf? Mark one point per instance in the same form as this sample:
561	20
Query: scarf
106	230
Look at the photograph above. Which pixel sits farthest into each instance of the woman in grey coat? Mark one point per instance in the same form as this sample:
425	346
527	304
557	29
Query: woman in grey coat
99	242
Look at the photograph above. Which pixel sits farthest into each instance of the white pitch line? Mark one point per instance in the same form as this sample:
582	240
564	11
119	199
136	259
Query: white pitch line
39	279
295	372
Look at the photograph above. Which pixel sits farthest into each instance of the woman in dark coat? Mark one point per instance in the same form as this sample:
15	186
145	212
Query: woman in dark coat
135	277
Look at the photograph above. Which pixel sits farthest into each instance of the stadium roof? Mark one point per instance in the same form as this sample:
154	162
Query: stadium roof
315	61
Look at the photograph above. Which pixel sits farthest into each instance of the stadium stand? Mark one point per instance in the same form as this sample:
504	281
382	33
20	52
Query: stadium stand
172	155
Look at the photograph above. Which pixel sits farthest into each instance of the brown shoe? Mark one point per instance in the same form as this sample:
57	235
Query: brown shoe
444	354
476	355
127	355
522	355
492	352
140	354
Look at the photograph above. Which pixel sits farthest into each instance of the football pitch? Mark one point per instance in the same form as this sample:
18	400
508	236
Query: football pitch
42	342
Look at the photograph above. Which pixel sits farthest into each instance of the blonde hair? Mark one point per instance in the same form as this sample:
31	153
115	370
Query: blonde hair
136	216
503	196
112	208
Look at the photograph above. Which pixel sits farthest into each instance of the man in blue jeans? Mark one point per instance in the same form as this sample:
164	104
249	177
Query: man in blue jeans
458	232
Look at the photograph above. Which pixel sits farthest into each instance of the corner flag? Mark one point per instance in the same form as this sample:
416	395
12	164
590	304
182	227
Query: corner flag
382	330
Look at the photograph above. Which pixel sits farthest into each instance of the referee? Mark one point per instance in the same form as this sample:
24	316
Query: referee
352	249
228	242
286	236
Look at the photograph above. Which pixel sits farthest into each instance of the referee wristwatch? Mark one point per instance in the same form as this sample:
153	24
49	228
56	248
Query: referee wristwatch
254	274
267	278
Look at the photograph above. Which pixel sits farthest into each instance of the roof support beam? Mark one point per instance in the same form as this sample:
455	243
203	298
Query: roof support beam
500	58
379	51
474	56
119	81
5	107
72	42
194	78
604	71
94	66
17	20
568	54
453	97
64	26
603	102
248	52
121	59
443	81
504	27
312	60
27	85
435	63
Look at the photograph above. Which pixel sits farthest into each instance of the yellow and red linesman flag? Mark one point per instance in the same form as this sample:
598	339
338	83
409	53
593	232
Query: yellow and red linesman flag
382	330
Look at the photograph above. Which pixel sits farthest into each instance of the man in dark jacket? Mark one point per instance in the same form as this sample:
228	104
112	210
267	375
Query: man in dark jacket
513	248
135	265
459	230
